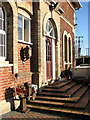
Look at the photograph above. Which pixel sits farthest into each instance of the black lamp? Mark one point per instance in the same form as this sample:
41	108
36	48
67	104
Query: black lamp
52	6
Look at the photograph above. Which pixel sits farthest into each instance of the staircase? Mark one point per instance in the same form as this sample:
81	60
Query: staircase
68	97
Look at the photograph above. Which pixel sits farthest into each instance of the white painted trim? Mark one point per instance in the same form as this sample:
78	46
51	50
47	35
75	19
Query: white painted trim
64	33
49	36
53	59
4	32
2	58
24	16
25	42
71	5
69	36
6	65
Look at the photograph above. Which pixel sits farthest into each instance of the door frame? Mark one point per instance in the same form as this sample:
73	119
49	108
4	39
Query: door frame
53	58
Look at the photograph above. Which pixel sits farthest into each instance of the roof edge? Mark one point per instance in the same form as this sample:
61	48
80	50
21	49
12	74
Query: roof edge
77	4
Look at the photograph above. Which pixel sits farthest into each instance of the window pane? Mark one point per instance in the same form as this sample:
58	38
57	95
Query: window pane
51	33
26	30
1	24
20	27
1	39
50	25
0	13
47	27
1	51
4	51
4	40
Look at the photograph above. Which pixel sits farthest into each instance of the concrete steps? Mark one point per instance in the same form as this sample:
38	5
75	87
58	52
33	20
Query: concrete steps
70	97
76	95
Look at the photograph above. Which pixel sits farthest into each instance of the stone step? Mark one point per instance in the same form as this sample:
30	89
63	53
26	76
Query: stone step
81	104
73	100
69	93
53	94
80	92
74	89
64	89
55	83
70	99
75	97
57	110
59	85
87	110
45	103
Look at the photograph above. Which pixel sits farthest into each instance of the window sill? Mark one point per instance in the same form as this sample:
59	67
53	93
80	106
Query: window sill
5	64
25	42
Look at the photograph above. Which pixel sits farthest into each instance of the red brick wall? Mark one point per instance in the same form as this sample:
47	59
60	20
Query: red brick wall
6	81
7	78
65	27
24	70
68	11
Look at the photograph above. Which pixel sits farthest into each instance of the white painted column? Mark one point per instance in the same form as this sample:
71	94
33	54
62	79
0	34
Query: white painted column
53	59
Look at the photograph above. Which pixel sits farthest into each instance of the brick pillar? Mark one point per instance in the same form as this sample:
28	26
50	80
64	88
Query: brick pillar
36	50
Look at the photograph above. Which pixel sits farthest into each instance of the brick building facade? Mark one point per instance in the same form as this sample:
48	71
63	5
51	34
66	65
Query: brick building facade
36	43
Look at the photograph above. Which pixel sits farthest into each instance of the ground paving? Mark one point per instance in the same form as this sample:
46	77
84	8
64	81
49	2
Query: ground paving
31	115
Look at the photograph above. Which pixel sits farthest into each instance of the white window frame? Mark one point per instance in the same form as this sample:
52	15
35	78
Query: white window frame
49	31
3	32
23	16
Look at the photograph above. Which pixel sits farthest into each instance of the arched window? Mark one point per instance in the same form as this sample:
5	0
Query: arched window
65	47
69	49
2	35
50	29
